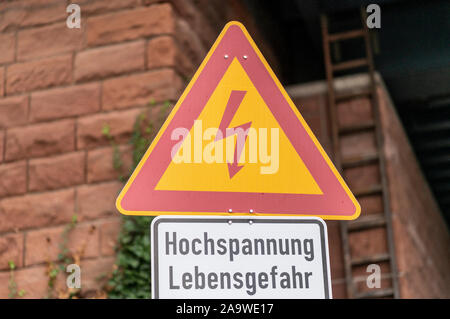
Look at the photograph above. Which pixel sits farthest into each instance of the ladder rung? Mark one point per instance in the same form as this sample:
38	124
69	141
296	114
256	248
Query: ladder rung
372	190
349	129
359	161
353	95
367	222
370	260
346	35
387	292
349	64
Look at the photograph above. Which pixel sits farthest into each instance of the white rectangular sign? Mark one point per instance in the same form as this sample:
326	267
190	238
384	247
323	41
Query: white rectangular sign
239	257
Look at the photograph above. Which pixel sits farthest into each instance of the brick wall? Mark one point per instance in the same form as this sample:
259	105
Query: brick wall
420	232
421	237
58	88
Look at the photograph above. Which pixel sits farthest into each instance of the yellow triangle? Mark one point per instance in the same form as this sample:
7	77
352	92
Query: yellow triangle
285	173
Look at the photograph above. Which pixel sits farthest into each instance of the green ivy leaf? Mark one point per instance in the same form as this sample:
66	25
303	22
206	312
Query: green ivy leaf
106	130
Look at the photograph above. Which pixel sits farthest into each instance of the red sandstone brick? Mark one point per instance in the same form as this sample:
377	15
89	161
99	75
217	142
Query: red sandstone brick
48	40
339	290
111	60
150	2
354	112
37	210
11	249
213	12
191	12
189	42
368	243
385	283
13	179
2	145
139	89
309	106
361	271
28	13
65	102
40	140
13	111
163	51
109	232
34	281
39	74
95	274
360	276
7	45
43	245
371	204
362	176
97	200
90	7
357	145
335	250
100	164
90	129
56	172
130	24
2	81
315	123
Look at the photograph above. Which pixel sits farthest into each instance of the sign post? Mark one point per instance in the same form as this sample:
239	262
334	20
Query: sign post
238	257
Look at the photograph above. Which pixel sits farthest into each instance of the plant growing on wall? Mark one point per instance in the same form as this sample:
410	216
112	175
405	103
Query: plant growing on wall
131	274
12	285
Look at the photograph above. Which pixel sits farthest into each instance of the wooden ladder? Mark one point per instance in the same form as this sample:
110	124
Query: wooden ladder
369	221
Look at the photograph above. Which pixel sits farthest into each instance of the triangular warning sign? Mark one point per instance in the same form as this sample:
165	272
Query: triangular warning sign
235	143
